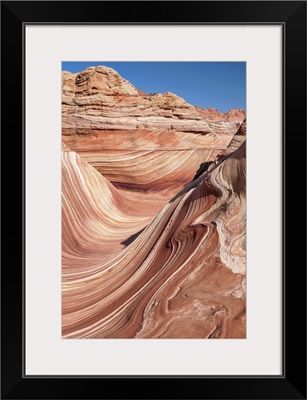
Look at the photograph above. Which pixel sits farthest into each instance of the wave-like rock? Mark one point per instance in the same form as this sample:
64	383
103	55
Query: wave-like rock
97	220
153	213
103	114
182	277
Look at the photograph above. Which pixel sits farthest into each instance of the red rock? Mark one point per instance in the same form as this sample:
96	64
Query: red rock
182	277
103	112
148	252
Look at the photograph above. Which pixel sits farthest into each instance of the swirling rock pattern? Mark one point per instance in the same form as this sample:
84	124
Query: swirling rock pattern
148	252
101	112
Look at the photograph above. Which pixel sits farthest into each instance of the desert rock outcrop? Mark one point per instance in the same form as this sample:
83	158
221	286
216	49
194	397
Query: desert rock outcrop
153	213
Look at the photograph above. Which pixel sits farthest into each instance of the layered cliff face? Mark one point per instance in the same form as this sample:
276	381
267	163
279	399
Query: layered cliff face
138	140
153	214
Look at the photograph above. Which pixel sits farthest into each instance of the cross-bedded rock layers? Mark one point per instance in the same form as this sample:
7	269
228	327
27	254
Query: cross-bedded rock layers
153	213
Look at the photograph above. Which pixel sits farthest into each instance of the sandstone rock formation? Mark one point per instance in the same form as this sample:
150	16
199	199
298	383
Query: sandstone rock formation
118	130
212	114
153	213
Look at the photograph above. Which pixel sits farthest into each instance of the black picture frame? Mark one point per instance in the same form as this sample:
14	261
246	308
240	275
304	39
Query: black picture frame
292	383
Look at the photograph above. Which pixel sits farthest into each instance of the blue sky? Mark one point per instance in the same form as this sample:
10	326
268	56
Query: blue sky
221	85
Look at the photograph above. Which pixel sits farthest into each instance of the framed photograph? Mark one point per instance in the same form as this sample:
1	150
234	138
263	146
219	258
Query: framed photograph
161	147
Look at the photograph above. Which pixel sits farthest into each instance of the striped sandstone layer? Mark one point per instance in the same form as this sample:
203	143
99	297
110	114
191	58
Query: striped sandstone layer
136	140
182	277
153	213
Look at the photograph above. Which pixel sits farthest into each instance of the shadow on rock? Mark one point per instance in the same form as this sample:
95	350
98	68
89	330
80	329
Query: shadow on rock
132	238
